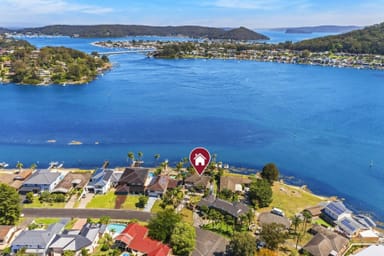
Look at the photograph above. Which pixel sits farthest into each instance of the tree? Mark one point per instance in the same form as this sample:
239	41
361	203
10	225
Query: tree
296	220
142	201
161	227
183	239
157	157
84	252
140	155
242	244
273	235
104	219
10	207
260	193
131	156
29	197
33	166
19	165
69	253
270	172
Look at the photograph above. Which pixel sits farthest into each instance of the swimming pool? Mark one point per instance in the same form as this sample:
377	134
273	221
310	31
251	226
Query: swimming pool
125	254
116	227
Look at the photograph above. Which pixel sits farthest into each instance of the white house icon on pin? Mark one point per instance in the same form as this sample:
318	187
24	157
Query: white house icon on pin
199	159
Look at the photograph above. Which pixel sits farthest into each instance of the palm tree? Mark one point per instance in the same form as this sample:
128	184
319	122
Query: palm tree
131	156
19	165
33	166
140	155
296	220
164	165
157	157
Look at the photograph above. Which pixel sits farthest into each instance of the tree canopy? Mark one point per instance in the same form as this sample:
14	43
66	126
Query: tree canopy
161	227
183	239
242	244
270	172
273	235
260	193
10	207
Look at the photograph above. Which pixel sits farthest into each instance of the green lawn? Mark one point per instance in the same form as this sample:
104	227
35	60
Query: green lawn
46	221
221	228
156	207
103	201
70	224
320	221
36	204
130	202
291	199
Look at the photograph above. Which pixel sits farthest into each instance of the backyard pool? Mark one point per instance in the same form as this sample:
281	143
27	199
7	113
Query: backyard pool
116	228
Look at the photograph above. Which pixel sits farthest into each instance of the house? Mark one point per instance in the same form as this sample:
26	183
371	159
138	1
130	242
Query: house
269	217
235	209
36	242
234	183
335	211
72	181
134	180
326	243
373	250
368	236
315	211
365	221
158	186
6	233
42	180
100	181
75	240
197	182
199	159
15	180
349	226
134	239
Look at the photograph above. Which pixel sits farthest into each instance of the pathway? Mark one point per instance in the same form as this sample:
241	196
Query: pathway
150	203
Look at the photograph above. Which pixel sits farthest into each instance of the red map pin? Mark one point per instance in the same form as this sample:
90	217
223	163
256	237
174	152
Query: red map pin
199	159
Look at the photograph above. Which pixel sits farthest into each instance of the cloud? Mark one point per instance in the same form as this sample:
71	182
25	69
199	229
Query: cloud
260	4
48	7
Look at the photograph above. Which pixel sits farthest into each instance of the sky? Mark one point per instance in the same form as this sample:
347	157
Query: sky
213	13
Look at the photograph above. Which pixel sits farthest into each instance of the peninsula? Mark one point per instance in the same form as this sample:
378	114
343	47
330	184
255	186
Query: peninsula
92	31
23	63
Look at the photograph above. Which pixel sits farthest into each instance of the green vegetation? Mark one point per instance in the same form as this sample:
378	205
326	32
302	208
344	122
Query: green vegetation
22	63
369	40
183	239
103	201
161	227
131	202
260	193
242	244
10	207
187	215
270	172
139	30
46	221
142	201
273	235
36	203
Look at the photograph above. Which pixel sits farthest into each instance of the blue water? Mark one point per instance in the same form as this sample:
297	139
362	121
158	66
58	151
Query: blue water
322	125
118	228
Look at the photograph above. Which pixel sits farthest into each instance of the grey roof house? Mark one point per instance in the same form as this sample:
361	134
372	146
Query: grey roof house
36	241
42	180
235	209
75	240
100	181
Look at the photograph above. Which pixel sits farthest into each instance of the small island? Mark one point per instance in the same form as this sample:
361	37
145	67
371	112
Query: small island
23	63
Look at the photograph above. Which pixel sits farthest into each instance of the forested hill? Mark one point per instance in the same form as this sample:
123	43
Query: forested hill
369	40
139	30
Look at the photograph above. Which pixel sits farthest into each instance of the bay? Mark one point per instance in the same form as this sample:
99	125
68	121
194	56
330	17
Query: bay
322	125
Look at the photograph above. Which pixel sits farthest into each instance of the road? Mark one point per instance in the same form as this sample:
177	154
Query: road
85	213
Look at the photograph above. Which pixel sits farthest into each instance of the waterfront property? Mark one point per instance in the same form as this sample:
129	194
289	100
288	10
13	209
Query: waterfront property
15	180
100	181
72	181
197	182
134	180
234	183
335	211
134	238
41	180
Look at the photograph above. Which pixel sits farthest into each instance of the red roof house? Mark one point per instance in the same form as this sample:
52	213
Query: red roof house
135	238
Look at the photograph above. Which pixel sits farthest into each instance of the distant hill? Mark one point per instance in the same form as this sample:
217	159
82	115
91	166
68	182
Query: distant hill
4	30
321	29
369	40
139	30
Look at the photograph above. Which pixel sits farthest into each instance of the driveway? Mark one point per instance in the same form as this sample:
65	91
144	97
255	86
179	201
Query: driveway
86	200
150	203
209	243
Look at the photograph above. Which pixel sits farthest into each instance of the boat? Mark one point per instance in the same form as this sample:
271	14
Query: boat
55	164
3	165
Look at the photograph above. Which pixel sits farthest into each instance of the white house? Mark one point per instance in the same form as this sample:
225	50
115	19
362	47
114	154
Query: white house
199	159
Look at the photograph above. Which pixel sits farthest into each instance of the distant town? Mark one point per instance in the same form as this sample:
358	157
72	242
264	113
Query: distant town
171	210
240	50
